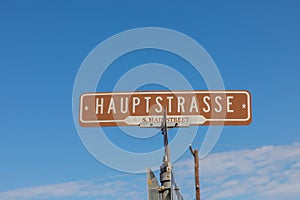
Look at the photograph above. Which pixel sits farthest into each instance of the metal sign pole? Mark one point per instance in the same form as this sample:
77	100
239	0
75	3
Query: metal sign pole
165	168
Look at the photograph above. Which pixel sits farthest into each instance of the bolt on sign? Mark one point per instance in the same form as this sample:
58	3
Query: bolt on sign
183	108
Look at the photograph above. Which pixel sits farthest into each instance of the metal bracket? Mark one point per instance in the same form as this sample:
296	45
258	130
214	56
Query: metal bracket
169	125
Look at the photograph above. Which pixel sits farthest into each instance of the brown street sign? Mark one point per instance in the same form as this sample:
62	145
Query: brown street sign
183	108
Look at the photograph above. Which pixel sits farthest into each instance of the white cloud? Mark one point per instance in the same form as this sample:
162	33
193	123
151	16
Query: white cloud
84	189
269	172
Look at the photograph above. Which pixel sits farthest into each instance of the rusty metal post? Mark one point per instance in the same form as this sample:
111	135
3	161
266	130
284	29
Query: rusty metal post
196	163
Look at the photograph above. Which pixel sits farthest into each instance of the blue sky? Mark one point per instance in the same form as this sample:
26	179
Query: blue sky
255	45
